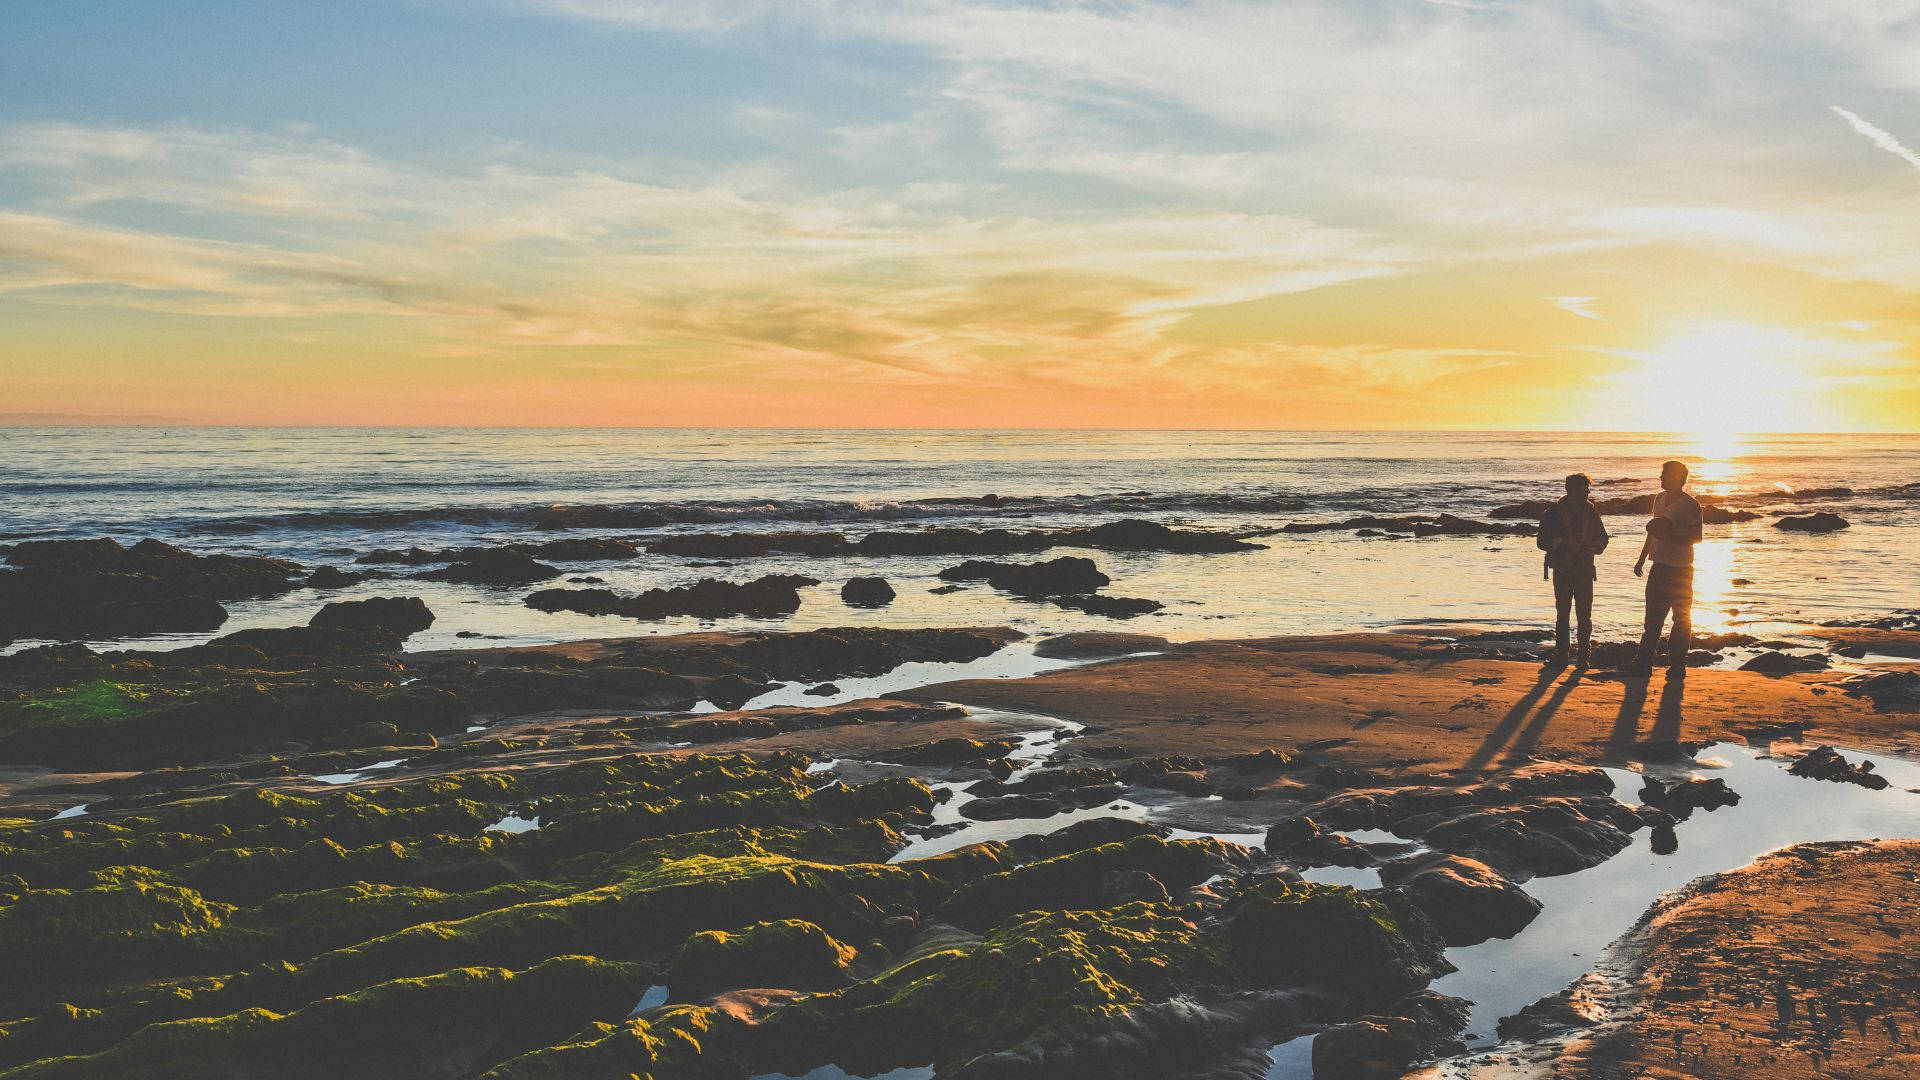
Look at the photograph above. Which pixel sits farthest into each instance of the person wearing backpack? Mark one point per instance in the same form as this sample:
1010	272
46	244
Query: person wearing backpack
1571	534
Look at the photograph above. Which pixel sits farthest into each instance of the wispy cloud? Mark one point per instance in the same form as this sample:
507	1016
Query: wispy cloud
1577	305
1879	136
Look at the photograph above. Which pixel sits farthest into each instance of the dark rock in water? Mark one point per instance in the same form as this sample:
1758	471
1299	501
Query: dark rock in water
1064	576
767	597
942	590
1134	534
1575	1007
1437	525
790	954
1890	691
866	592
1467	900
404	615
1694	792
1010	807
1779	663
1555	835
99	589
1420	1026
495	566
1112	607
825	689
331	577
1826	763
1304	842
1097	645
733	691
1822	522
954	751
1334	936
1082	835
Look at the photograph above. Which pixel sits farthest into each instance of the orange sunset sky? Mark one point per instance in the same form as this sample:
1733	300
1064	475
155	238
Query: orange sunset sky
1600	214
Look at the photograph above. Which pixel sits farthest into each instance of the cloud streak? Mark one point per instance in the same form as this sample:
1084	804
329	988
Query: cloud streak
1878	136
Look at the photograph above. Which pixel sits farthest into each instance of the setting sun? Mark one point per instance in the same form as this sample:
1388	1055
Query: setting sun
1724	378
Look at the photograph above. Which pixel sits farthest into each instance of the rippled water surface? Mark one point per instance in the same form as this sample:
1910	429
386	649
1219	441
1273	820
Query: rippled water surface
326	496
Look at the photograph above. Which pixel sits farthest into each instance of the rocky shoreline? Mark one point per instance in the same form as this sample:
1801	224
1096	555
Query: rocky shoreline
308	851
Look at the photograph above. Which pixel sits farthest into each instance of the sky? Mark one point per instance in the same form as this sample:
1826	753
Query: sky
1432	214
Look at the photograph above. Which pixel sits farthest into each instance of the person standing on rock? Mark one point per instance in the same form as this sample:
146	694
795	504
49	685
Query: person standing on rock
1571	533
1671	535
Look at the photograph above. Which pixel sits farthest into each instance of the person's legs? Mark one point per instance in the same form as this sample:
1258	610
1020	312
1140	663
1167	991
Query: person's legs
1583	607
1680	598
1656	617
1563	593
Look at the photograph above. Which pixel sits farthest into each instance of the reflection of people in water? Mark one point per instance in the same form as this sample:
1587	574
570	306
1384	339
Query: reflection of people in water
1571	534
1671	535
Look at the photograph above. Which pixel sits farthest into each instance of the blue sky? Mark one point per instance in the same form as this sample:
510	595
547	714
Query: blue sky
1393	212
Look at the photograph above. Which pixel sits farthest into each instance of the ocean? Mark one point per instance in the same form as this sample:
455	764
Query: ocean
326	496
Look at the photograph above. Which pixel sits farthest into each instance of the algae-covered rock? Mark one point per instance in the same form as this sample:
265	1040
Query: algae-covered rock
1040	972
791	953
1298	932
1082	879
444	1025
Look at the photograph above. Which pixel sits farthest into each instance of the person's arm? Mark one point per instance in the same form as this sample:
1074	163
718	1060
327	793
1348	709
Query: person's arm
1646	549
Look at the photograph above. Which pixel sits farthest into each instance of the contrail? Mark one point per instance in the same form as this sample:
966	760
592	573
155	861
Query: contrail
1880	138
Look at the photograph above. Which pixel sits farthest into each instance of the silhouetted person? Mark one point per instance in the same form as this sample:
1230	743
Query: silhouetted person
1571	534
1671	535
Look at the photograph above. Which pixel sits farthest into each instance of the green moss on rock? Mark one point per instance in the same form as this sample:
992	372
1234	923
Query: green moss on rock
791	954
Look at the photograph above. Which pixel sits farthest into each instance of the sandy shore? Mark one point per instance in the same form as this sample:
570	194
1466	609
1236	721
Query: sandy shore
1414	704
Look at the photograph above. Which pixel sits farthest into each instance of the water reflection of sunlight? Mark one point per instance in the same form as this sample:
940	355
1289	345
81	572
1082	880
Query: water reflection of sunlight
1713	460
1714	561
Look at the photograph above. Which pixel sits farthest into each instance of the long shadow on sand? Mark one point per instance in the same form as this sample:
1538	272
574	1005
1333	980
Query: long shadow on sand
1516	715
1668	716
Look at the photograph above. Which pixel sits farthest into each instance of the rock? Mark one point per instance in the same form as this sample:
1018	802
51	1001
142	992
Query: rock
330	577
766	597
1890	691
1123	886
1134	534
790	954
734	691
1696	791
1577	1006
70	589
1332	936
1056	577
495	566
404	615
1420	1026
1822	522
1826	763
1097	645
1302	841
1779	663
866	592
1112	607
825	689
1467	900
1010	807
1438	525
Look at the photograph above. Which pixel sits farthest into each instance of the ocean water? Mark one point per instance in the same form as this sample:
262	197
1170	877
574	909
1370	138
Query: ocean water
325	496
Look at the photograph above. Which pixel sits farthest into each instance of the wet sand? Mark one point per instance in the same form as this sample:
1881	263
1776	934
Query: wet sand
1412	704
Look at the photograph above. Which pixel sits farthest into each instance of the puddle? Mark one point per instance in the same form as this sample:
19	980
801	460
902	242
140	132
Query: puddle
1585	912
514	823
823	765
71	812
1013	662
1359	877
1291	1060
359	774
655	997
